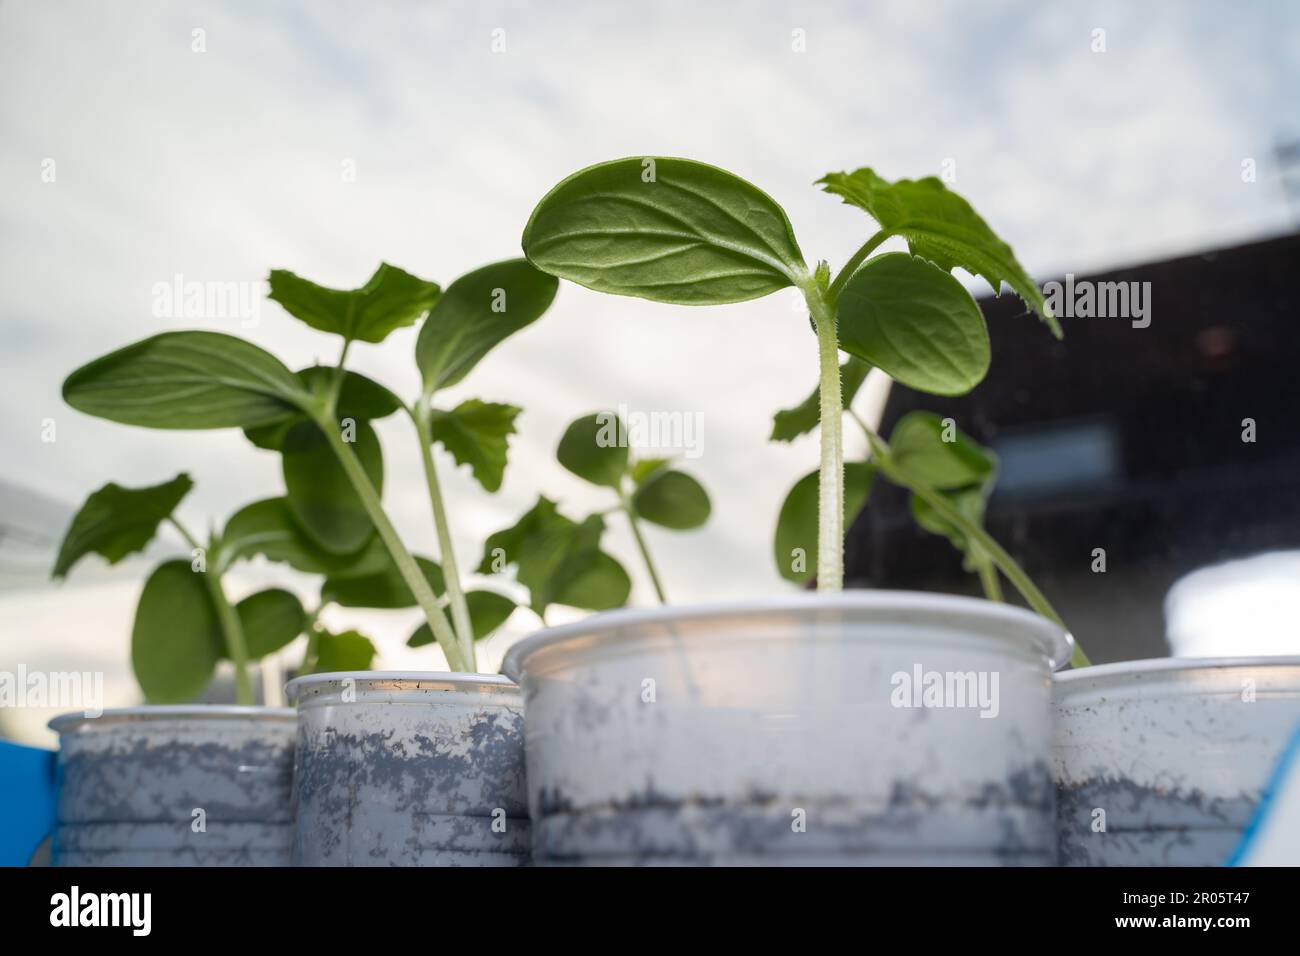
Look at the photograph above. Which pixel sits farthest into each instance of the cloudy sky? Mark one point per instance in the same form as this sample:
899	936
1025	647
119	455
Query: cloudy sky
218	165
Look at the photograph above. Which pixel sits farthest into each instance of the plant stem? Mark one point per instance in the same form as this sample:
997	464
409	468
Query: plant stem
989	578
645	552
311	627
1005	563
311	653
830	486
336	384
850	267
406	565
313	619
232	631
450	570
234	635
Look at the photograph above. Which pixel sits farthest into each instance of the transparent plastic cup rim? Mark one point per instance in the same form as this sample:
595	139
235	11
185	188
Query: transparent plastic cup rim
1156	665
149	712
296	688
1054	642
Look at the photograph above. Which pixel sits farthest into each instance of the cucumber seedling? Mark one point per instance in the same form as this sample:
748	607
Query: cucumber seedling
319	419
185	624
683	232
595	449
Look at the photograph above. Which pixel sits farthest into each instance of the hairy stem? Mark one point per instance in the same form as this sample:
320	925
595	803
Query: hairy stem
830	486
450	569
406	565
1004	562
232	631
645	551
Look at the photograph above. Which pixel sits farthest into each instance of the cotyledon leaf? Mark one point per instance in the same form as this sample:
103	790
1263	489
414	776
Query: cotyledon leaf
666	229
914	321
187	380
478	312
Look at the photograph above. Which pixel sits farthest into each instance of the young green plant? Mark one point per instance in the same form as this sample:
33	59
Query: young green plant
686	233
472	316
185	624
319	419
595	448
558	560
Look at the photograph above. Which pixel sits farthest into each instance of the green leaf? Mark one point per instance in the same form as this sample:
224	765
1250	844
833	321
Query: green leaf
795	544
971	503
187	380
477	312
908	317
271	437
595	449
386	589
390	300
941	226
558	560
321	497
360	398
339	653
790	423
646	468
421	636
961	470
176	640
488	610
672	499
270	619
267	527
602	586
117	521
918	448
477	434
670	230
